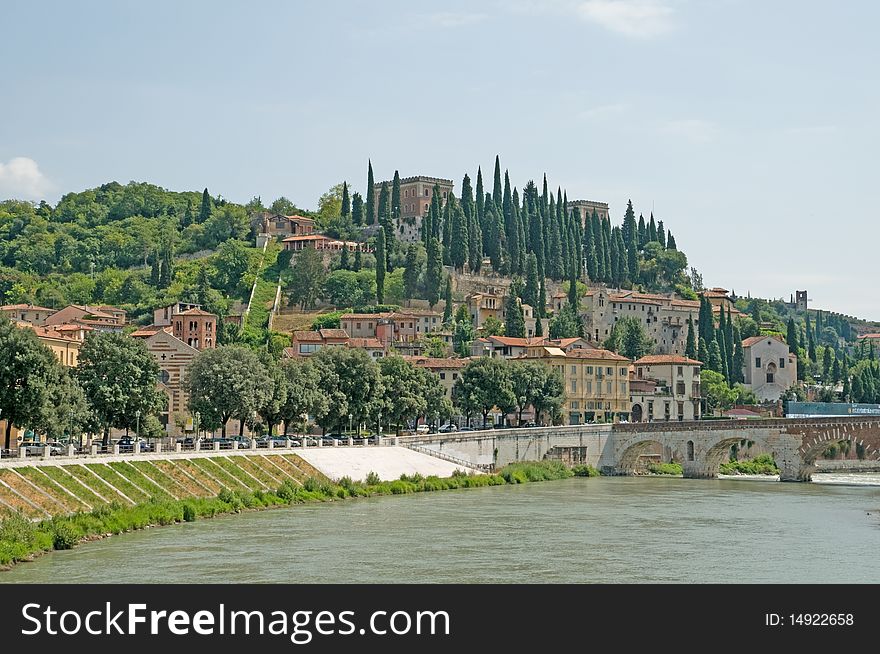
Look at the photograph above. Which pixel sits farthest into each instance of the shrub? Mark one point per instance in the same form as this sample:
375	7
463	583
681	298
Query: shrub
189	513
665	468
585	470
64	535
373	479
287	491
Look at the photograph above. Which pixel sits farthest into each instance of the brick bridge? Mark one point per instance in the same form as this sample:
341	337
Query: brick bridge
700	446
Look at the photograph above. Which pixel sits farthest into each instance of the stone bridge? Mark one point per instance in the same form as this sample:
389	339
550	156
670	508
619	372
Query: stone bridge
700	446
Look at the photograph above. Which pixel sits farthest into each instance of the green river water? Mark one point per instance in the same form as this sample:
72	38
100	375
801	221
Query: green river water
579	530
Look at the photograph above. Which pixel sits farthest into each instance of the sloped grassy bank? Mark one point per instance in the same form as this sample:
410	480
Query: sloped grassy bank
22	539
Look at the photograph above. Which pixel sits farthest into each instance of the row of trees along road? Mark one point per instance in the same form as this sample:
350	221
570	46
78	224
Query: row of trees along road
114	386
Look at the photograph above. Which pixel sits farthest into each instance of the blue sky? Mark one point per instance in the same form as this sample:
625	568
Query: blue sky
750	127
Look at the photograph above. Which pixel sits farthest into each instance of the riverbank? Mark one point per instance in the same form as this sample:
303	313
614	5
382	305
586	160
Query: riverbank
22	539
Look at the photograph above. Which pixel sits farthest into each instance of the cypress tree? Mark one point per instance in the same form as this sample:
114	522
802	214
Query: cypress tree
458	253
371	196
721	341
531	288
652	229
707	320
536	231
434	272
545	198
632	262
357	260
554	261
437	207
670	241
519	219
357	209
630	229
205	209
447	307
791	337
346	201
541	309
590	251
446	232
384	207
573	297
690	348
661	234
715	362
539	326
826	365
606	235
601	255
835	370
411	272
615	259
514	321
494	236
731	348
387	227
155	271
467	198
166	275
511	228
395	199
738	357
475	245
643	232
380	267
703	352
479	200
187	214
497	193
621	261
811	347
344	263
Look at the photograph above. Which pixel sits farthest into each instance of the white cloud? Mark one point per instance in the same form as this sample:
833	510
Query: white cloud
634	18
21	178
693	130
453	19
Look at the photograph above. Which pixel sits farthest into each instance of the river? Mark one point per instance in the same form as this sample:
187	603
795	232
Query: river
619	529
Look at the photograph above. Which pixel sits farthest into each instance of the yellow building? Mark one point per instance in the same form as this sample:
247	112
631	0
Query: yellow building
596	383
65	347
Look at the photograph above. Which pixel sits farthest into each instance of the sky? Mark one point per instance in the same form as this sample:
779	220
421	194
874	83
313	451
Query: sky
749	127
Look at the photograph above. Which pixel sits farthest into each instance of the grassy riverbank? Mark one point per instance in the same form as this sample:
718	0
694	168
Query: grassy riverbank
22	539
760	465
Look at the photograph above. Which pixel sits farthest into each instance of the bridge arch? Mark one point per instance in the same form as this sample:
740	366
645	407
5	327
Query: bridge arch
627	461
810	450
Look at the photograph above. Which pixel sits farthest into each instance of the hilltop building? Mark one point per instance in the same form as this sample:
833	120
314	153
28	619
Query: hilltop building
770	369
415	200
665	387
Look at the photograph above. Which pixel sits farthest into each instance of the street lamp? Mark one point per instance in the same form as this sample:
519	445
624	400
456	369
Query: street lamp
380	424
197	416
349	424
137	429
522	407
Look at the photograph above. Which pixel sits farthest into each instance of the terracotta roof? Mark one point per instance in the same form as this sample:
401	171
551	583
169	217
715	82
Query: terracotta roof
431	362
565	342
871	336
289	352
149	330
418	312
45	332
364	316
713	293
745	413
195	312
366	343
28	307
70	327
656	359
686	303
307	336
333	333
596	353
299	218
512	341
559	294
752	340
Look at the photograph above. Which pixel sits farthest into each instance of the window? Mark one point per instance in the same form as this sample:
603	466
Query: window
426	195
574	370
574	386
608	388
455	375
442	375
681	411
623	388
781	362
647	321
164	376
690	450
426	204
769	377
589	370
757	362
308	348
680	371
650	408
575	405
679	388
622	372
358	326
589	388
609	371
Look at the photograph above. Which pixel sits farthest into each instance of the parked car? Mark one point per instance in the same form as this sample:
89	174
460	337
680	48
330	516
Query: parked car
34	448
448	427
423	429
243	443
466	429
